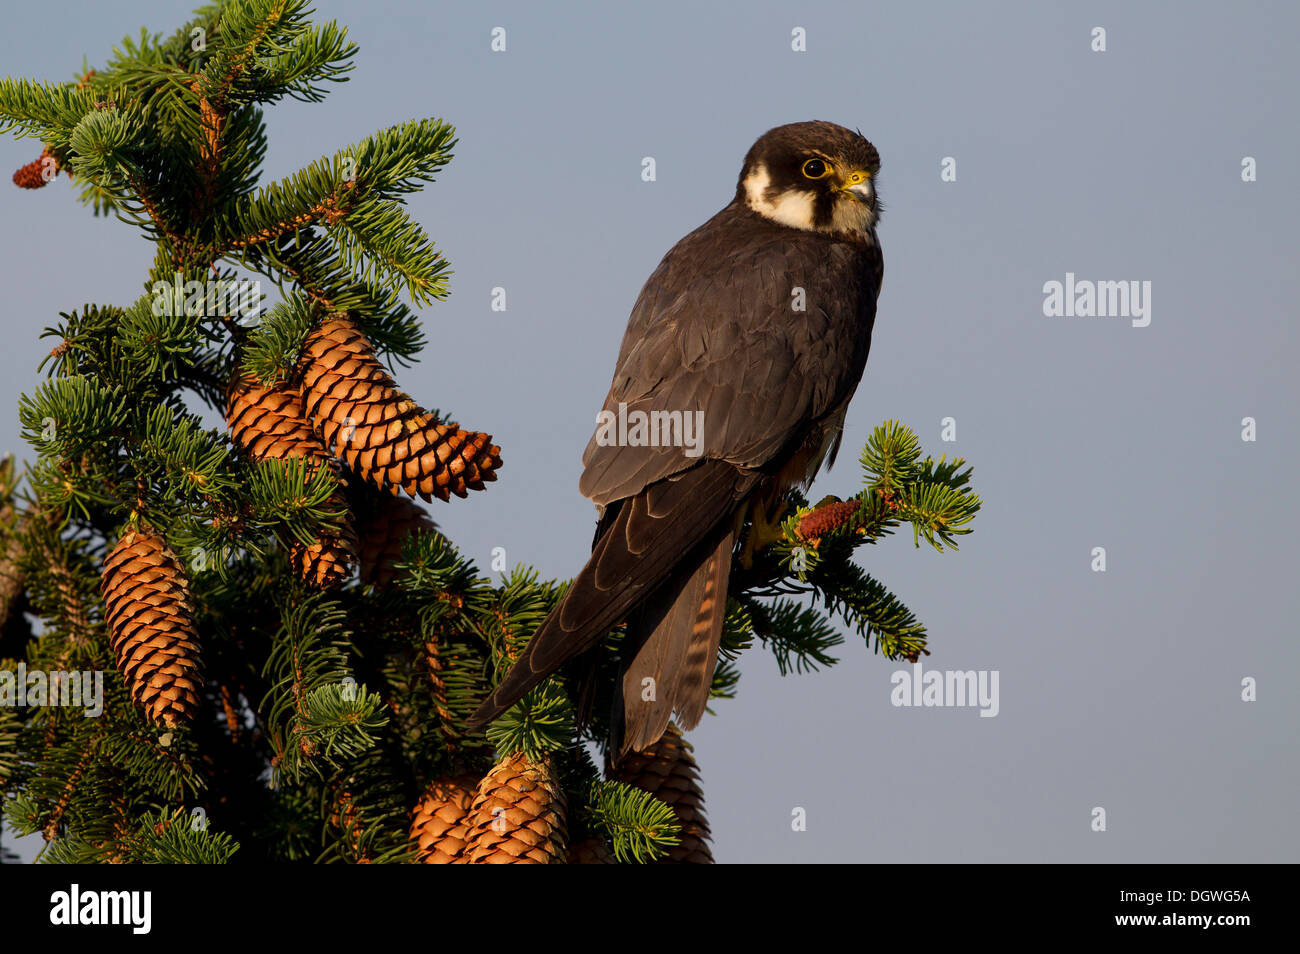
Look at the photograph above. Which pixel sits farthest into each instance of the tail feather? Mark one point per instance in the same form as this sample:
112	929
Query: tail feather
672	651
640	552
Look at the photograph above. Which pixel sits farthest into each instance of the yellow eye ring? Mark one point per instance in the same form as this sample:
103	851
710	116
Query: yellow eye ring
816	169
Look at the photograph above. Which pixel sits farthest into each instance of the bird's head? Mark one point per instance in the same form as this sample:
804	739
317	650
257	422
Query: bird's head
813	175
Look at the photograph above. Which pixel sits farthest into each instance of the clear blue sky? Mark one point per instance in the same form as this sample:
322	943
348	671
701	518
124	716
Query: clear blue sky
1119	690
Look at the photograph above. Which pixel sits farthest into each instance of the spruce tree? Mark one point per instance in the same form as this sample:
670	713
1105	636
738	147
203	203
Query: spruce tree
289	647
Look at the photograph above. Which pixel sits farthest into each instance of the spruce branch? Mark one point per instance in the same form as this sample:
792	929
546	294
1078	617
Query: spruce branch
264	50
162	837
72	416
341	721
542	723
640	827
798	636
11	727
50	111
309	652
355	197
813	558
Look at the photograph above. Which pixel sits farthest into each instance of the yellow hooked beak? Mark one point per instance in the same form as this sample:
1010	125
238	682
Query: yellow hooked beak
857	183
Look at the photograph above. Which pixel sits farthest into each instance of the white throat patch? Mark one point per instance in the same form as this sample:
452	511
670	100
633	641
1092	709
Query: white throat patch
855	216
796	208
791	208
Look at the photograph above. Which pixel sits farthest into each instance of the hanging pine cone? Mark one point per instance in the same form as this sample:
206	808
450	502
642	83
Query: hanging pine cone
517	816
592	851
384	526
382	434
13	578
667	770
270	424
326	562
151	627
439	826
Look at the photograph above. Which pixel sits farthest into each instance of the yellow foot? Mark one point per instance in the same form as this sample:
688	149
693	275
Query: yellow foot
764	530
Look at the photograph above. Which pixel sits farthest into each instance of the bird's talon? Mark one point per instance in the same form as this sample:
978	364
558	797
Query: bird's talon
763	532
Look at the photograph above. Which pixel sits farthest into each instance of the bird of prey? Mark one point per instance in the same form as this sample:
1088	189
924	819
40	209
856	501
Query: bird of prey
757	326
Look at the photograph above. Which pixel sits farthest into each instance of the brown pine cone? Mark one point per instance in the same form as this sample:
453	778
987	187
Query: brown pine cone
384	525
271	424
592	851
668	771
382	434
439	826
151	627
517	816
327	561
13	579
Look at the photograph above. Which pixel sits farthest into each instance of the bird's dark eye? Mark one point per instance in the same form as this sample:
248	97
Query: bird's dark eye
816	169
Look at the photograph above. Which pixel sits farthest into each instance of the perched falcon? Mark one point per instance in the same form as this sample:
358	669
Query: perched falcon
756	326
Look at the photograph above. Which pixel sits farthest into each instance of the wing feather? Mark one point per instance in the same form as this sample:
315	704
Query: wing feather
632	559
715	331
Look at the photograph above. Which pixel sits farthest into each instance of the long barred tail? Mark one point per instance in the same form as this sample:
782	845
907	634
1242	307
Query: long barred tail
672	650
670	531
